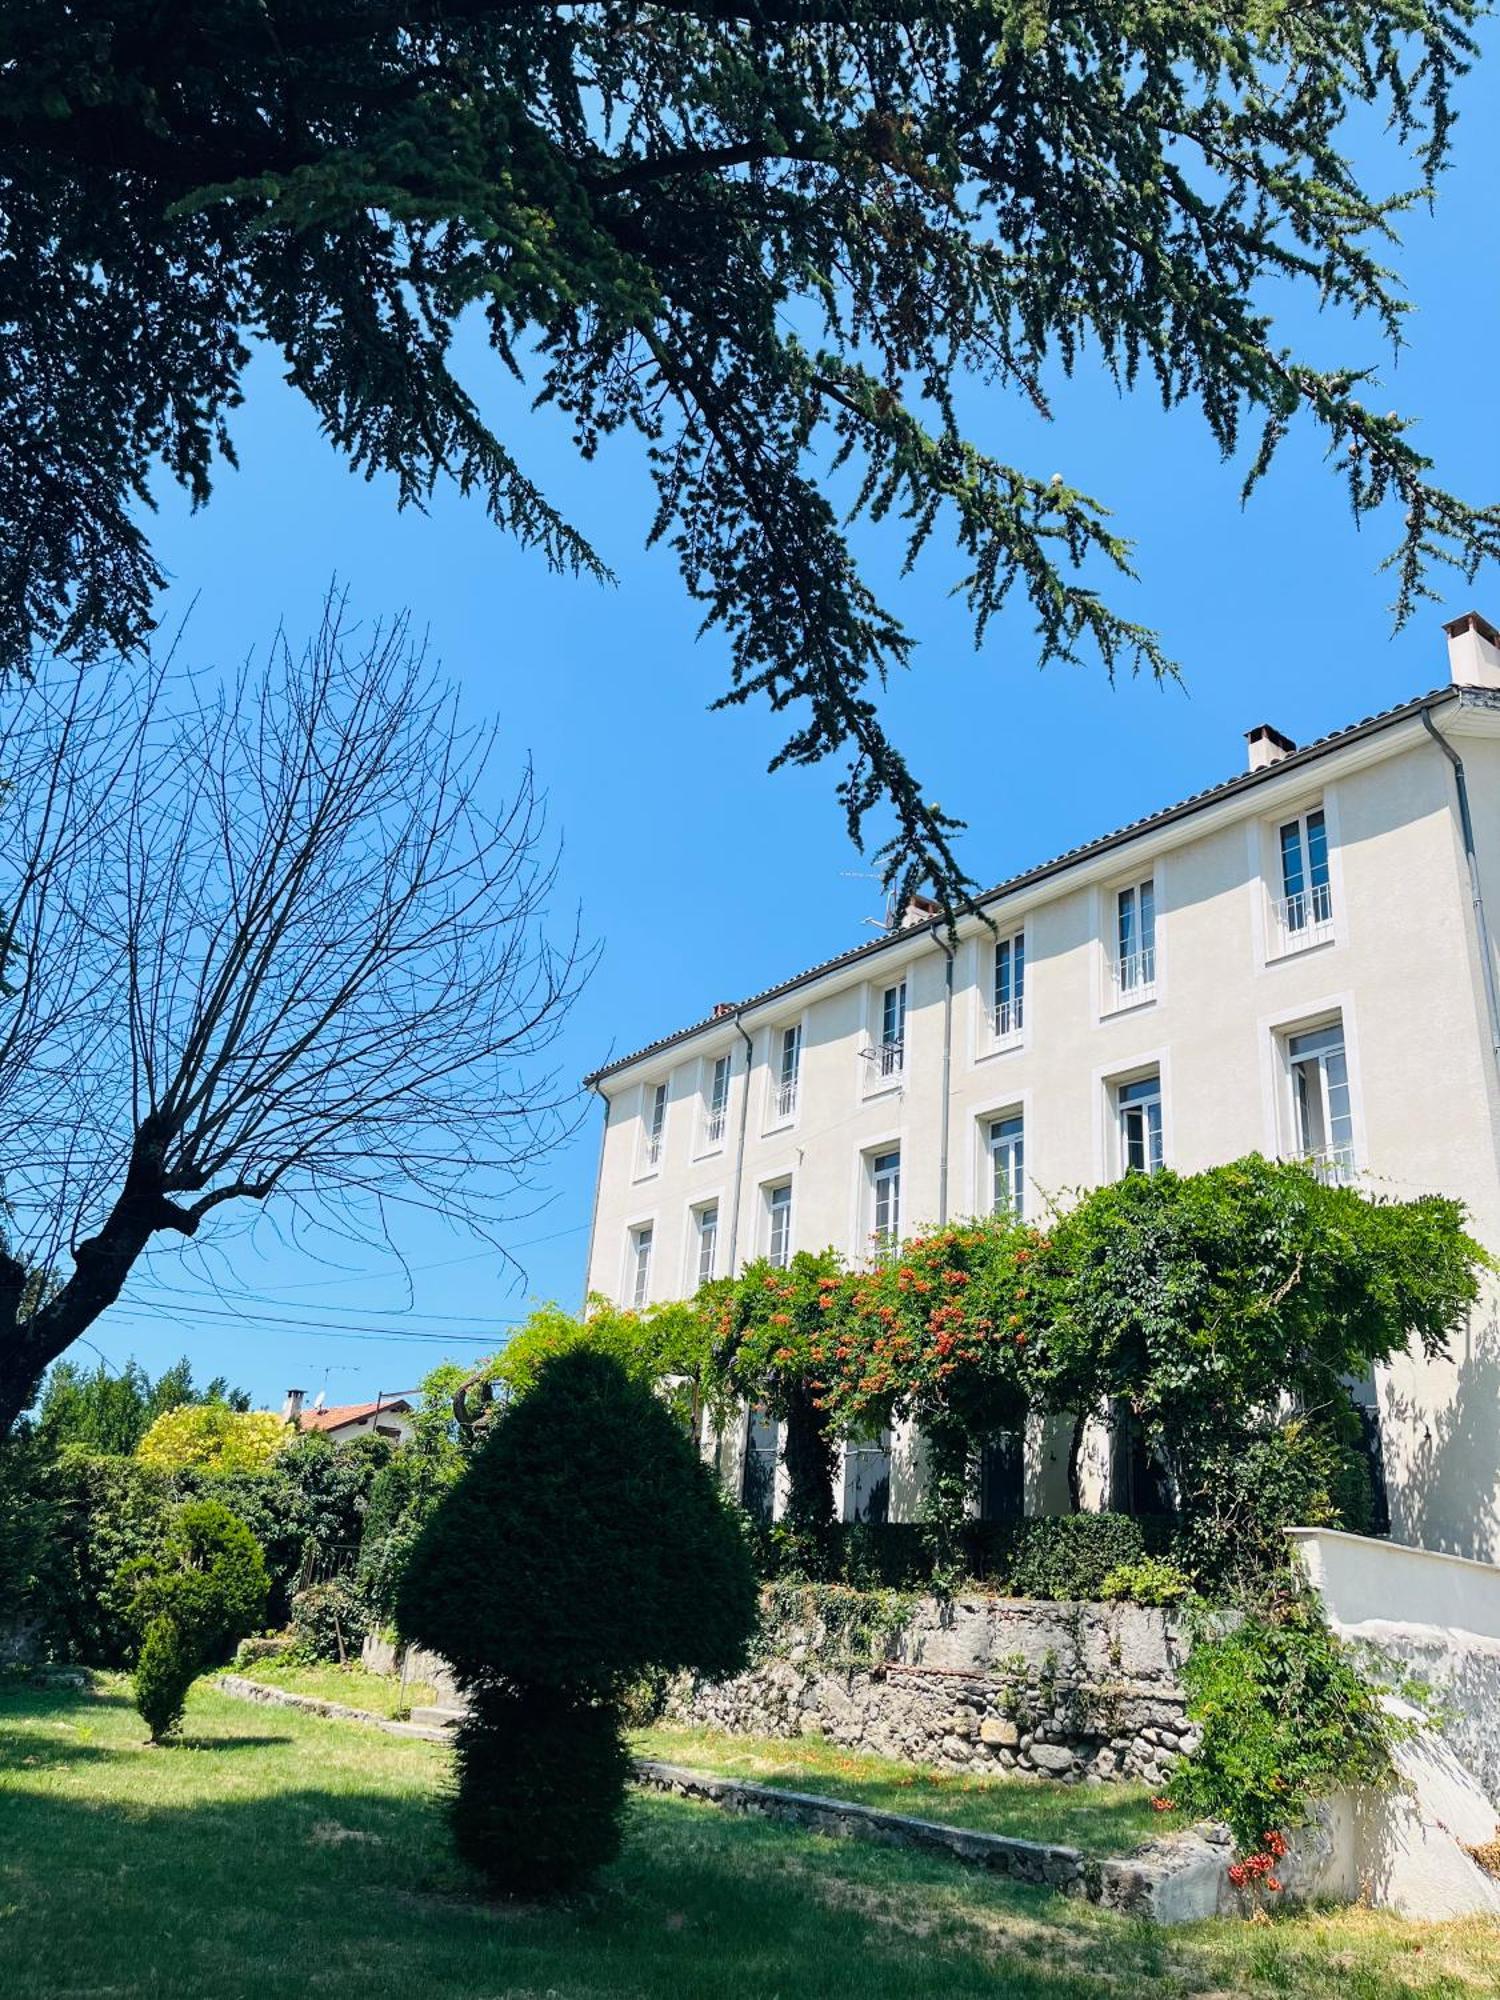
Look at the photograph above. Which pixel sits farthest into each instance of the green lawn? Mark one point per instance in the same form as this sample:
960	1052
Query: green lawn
381	1694
1099	1819
276	1856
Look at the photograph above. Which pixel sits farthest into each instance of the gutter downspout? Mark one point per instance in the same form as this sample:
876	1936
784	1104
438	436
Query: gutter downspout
739	1151
947	951
1476	895
588	1266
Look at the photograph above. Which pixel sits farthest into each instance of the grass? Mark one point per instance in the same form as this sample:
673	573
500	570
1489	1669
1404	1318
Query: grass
276	1855
381	1694
1099	1819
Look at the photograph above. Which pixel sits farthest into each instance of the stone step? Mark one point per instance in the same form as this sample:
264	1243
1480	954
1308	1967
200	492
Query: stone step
434	1716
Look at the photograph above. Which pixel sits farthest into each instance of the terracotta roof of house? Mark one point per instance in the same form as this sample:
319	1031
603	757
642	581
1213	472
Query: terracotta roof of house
1244	781
347	1413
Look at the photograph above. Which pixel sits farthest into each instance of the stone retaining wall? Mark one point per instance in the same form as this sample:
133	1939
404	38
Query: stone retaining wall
973	1683
1176	1880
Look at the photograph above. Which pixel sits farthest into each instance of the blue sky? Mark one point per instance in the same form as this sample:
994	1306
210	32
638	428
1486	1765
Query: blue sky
703	878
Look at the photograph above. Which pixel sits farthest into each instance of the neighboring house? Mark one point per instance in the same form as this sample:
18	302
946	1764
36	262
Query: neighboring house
1297	961
387	1417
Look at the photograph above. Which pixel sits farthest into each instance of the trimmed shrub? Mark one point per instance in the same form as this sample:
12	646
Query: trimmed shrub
204	1590
1070	1555
539	1791
164	1671
586	1544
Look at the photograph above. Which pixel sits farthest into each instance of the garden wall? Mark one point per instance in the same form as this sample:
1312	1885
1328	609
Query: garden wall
968	1683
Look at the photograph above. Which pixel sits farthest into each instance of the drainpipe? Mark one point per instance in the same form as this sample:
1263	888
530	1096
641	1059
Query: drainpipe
1476	896
598	1183
947	951
739	1153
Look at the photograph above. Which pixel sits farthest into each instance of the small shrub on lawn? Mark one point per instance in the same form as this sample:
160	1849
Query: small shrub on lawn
165	1669
202	1592
585	1545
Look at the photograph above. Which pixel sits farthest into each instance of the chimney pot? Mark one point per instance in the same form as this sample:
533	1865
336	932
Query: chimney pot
1473	651
1267	746
291	1409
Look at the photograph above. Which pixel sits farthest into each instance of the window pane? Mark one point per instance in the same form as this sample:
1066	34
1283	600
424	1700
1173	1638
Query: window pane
1317	850
1019	959
1148	916
1127	925
1292	879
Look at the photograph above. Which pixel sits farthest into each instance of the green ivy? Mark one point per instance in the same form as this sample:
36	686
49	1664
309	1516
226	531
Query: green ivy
1287	1715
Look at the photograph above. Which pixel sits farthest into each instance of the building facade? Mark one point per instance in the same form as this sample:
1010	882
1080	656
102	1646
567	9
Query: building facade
1298	961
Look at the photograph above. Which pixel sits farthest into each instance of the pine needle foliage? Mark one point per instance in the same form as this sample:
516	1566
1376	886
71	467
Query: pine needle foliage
771	239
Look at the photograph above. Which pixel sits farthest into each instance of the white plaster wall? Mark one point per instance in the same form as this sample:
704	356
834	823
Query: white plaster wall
1438	1616
1401	969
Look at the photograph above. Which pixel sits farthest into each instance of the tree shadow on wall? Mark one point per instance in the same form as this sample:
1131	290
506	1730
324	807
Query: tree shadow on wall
1449	1471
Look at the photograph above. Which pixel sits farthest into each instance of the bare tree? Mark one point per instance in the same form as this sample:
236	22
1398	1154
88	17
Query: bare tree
259	940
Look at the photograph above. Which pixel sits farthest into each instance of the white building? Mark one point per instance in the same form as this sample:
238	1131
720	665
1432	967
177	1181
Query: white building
1295	961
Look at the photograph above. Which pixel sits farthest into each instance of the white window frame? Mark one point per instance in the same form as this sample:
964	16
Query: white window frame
1013	1144
699	1213
889	1052
1133	978
716	1124
1115	1160
1008	1018
1299	920
653	1139
636	1289
1344	1164
882	1070
883	1242
771	1209
784	1098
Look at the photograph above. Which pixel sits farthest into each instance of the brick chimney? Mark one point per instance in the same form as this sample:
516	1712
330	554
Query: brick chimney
291	1409
1473	652
1267	746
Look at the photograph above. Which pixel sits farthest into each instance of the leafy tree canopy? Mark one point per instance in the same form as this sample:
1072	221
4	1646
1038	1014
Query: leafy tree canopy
769	237
105	1411
213	1438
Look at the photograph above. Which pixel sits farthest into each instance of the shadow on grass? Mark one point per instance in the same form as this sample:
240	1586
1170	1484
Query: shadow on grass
236	1897
225	1742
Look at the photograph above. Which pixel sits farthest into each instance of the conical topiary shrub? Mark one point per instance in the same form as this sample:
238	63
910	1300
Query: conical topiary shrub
586	1544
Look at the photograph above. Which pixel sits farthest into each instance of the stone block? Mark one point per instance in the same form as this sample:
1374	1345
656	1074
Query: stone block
999	1731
